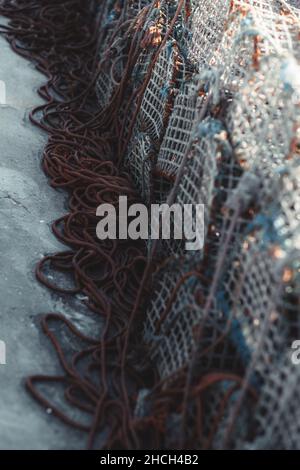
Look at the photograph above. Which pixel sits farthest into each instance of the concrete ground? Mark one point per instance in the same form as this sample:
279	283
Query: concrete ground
27	207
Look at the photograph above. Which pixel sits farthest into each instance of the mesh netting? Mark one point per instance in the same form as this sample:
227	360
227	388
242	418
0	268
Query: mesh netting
262	29
154	107
207	27
140	163
178	133
170	330
114	47
278	421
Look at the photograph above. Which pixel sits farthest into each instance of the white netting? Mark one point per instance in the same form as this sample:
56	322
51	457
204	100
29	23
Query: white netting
171	330
154	108
255	29
112	56
232	37
198	185
114	47
264	119
179	131
207	28
277	421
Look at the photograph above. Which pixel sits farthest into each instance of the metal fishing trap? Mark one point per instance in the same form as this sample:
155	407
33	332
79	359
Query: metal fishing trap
222	102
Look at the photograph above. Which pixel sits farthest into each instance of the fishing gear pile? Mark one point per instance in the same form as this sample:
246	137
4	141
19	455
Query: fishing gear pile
187	102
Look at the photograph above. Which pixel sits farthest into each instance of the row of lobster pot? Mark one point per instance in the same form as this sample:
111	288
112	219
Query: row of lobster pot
152	118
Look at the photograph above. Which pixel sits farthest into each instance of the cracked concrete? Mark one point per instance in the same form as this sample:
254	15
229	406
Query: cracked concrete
28	205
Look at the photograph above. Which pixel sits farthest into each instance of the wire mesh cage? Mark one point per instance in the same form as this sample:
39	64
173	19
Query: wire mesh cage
207	28
154	108
264	118
169	326
276	416
116	39
255	29
178	133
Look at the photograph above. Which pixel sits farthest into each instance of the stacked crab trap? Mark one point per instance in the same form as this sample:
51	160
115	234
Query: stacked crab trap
208	99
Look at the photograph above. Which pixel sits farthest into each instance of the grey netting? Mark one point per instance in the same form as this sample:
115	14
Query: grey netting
128	106
277	421
231	37
264	116
111	53
255	29
154	108
140	163
179	131
153	114
198	183
114	47
166	331
207	28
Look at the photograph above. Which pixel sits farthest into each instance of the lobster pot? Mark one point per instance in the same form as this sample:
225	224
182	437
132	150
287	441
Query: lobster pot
211	175
262	288
109	78
110	55
176	316
198	183
139	161
263	267
158	96
260	337
263	119
128	106
219	401
280	378
249	292
276	415
263	125
114	47
178	133
152	118
171	316
287	226
206	31
256	29
171	68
